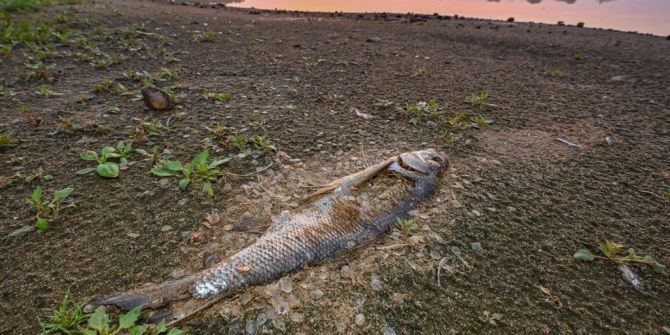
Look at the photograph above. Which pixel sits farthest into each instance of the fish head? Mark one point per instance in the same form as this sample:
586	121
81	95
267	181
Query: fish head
428	161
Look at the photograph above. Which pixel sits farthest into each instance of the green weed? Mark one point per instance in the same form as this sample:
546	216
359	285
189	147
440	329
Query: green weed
155	155
420	110
480	100
37	71
68	126
69	318
168	73
444	136
44	91
45	210
557	74
611	252
104	87
7	140
204	36
65	319
105	168
406	225
238	141
420	72
219	97
198	171
263	143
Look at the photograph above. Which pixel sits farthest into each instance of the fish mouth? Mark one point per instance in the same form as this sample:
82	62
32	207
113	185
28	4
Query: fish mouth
428	161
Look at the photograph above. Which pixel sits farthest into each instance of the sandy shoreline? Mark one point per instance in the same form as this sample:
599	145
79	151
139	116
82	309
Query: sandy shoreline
409	17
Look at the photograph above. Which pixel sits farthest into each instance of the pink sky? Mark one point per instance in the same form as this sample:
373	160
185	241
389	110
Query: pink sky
648	16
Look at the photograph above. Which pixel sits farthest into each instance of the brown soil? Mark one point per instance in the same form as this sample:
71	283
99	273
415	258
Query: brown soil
529	200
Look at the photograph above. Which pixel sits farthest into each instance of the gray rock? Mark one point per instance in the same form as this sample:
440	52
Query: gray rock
476	247
166	228
387	330
375	39
234	327
261	319
623	79
375	283
251	327
182	201
360	319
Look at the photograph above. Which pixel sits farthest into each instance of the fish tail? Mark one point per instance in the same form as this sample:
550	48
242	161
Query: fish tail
151	295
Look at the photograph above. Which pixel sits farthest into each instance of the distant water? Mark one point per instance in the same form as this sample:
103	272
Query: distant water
645	16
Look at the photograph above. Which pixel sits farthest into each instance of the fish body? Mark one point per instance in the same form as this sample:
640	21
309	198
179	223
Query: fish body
336	222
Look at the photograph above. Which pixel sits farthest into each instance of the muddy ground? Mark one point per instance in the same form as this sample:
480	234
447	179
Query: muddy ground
527	199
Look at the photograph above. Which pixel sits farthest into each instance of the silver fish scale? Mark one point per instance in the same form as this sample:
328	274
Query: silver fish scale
293	242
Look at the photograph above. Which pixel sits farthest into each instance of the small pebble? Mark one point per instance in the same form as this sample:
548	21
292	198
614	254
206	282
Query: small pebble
285	284
387	330
376	283
435	254
456	251
476	247
182	201
234	327
316	294
297	317
166	228
251	327
261	319
279	324
360	319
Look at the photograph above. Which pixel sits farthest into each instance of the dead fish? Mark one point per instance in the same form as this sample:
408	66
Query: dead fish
330	225
157	99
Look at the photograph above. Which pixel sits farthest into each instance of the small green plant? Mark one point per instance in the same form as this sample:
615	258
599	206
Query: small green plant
103	87
263	143
406	225
65	319
611	252
480	122
198	171
204	36
420	72
124	149
68	126
38	70
6	140
219	97
156	155
105	168
220	131
69	318
133	75
238	141
444	136
479	100
46	92
419	111
45	210
168	73
39	174
557	74
169	57
456	121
